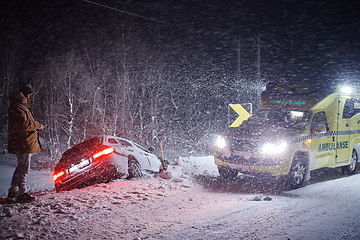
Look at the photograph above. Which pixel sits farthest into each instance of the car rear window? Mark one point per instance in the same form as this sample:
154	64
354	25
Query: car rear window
81	149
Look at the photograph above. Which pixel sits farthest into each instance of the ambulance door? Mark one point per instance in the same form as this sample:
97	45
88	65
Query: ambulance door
321	141
344	130
355	123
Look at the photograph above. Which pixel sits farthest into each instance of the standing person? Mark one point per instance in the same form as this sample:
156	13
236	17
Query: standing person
23	140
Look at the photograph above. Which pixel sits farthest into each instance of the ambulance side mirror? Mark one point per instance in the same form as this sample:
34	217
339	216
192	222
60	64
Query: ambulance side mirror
319	128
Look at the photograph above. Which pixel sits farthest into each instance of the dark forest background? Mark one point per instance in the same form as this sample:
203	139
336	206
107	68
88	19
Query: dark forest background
136	69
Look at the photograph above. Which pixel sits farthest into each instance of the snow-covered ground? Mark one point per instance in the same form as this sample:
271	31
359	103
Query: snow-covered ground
188	201
40	181
37	180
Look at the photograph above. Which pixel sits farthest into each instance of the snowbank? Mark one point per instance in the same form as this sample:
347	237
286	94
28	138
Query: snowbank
39	181
198	166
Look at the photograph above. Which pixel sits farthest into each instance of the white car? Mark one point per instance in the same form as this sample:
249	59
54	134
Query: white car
102	159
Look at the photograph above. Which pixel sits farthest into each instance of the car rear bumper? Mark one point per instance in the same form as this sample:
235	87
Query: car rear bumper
100	171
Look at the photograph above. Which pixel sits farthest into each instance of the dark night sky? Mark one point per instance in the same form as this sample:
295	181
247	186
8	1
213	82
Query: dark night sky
299	39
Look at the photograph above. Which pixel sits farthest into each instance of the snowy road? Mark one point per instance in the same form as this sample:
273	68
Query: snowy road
180	208
328	210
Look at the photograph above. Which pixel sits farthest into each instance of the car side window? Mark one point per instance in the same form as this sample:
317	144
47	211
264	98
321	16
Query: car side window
319	123
124	143
112	140
351	108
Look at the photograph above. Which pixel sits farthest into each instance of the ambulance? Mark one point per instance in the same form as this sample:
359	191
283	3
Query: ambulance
297	130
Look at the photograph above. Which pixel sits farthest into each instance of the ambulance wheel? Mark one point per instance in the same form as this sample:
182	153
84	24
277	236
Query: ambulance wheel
227	173
350	169
297	174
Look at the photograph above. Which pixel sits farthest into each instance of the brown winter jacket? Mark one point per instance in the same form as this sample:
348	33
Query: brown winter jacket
22	130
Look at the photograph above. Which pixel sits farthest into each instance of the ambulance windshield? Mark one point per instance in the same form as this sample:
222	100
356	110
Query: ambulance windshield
281	117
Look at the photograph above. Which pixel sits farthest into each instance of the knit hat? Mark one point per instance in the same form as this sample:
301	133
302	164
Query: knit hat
26	89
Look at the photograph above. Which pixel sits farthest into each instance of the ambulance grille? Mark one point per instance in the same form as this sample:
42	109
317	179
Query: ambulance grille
244	145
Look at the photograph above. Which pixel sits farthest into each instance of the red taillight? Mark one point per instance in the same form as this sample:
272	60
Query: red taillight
106	151
57	175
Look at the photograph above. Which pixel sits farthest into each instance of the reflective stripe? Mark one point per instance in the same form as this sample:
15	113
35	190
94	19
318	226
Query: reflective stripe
320	135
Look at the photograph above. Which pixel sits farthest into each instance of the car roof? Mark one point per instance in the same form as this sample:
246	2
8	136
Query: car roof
107	137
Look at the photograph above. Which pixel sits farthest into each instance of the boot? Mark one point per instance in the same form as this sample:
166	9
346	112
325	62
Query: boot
12	197
25	198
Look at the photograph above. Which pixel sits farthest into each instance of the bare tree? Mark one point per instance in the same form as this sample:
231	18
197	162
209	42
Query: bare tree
7	76
69	78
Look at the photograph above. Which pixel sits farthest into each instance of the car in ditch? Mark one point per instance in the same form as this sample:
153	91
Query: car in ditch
103	159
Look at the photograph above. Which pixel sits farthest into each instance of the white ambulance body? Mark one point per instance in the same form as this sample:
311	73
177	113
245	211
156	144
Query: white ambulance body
297	131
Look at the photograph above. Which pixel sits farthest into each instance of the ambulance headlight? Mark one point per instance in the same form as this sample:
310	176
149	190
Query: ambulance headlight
220	142
346	90
274	148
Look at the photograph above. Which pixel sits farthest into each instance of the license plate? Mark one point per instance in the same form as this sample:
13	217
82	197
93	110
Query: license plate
246	155
79	166
239	167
